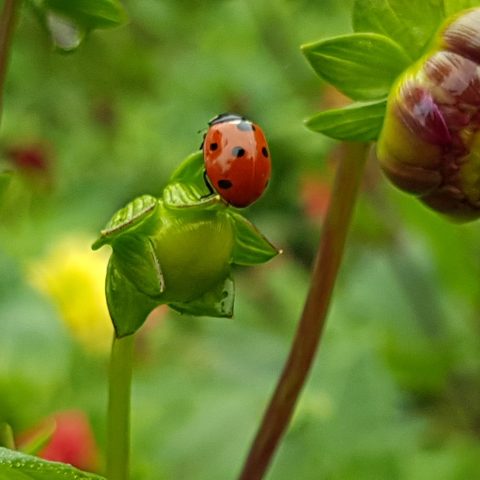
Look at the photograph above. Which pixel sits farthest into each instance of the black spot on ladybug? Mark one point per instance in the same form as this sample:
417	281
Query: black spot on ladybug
238	152
265	152
245	126
213	146
224	184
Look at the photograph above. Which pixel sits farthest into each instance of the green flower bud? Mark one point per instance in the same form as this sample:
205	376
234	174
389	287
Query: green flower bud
177	250
430	142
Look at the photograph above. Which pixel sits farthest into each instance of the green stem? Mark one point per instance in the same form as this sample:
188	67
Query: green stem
7	26
118	428
312	321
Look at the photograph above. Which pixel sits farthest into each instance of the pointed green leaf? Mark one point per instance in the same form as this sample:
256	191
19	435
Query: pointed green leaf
454	6
128	307
133	217
360	122
410	24
137	260
18	466
251	247
217	302
361	65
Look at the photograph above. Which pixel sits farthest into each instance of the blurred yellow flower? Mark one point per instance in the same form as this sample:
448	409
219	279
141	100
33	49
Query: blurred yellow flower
73	277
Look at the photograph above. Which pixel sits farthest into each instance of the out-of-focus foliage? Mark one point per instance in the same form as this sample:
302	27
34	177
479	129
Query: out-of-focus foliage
73	278
396	387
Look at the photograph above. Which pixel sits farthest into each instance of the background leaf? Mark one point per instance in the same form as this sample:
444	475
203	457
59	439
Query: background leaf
18	466
361	122
361	65
68	22
90	13
411	24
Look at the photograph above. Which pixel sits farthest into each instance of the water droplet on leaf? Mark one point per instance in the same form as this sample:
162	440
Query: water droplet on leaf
66	35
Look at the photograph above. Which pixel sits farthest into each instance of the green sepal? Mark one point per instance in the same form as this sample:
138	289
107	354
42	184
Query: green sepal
137	260
128	307
181	196
134	217
19	466
361	65
410	24
251	247
217	302
187	187
191	170
359	122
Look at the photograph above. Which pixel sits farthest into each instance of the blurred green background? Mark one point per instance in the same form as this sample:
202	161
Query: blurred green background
395	391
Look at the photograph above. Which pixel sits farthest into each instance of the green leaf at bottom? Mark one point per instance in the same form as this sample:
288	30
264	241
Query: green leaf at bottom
359	122
18	466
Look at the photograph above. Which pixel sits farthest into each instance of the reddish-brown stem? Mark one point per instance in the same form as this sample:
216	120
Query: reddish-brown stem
312	321
7	26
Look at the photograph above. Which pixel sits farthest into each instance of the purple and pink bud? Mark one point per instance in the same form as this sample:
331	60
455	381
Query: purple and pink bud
430	141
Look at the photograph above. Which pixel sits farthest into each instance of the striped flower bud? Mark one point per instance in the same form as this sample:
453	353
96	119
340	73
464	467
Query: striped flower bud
430	142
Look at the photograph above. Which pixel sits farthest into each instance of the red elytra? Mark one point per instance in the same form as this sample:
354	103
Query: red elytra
237	159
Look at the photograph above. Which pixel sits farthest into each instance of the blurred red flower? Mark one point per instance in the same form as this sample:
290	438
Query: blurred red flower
72	441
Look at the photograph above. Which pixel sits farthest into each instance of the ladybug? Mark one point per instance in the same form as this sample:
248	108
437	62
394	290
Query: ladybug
237	159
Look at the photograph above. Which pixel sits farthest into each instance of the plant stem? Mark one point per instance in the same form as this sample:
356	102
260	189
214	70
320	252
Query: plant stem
7	26
118	428
312	321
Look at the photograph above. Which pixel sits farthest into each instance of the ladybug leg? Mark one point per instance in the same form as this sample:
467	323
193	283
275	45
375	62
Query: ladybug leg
208	185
